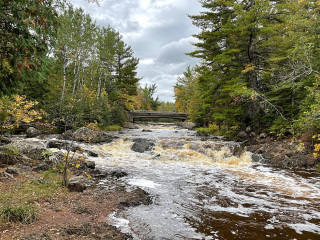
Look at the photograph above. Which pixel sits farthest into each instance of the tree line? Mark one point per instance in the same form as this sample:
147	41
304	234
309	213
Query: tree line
57	58
258	67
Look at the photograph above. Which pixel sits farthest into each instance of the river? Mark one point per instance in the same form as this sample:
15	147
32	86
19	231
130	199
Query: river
202	191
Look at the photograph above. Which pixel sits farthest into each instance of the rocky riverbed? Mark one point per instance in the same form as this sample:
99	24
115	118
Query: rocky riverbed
117	172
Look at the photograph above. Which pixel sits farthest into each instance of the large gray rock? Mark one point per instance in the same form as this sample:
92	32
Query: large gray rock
78	184
263	135
32	132
187	125
242	134
257	157
87	135
29	150
142	145
4	140
90	164
248	129
13	171
56	144
130	125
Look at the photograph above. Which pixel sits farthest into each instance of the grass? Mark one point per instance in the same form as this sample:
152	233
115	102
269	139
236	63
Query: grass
22	213
18	199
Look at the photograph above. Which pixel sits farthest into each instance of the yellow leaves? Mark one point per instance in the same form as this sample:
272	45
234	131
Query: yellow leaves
248	68
18	111
317	147
93	126
301	146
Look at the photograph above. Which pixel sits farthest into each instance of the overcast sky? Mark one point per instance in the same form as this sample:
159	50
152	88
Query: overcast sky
159	32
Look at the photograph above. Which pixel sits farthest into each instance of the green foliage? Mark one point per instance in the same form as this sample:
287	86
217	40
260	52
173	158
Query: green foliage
259	67
26	31
46	153
166	107
93	75
145	99
113	128
216	130
22	213
280	128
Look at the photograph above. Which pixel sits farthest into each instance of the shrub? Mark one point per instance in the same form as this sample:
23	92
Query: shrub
113	128
17	111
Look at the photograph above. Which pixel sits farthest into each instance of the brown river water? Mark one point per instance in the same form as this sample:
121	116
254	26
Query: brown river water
202	191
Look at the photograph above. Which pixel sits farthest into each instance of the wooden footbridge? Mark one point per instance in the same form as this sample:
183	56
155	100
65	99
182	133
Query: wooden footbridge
151	114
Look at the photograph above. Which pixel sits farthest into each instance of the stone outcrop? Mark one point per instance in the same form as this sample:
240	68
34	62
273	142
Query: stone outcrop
142	145
32	132
187	125
87	135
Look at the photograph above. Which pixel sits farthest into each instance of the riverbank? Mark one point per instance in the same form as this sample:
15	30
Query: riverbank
69	215
266	149
30	179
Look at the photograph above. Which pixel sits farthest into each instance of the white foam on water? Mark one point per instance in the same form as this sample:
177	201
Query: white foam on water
143	183
122	224
240	210
307	227
269	226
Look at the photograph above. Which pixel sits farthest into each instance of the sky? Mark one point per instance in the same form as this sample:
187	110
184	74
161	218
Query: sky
159	32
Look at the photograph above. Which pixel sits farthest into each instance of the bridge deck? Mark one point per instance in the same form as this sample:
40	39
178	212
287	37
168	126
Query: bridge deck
152	114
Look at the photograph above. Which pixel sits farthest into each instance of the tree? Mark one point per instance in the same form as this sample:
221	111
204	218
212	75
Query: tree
257	58
27	29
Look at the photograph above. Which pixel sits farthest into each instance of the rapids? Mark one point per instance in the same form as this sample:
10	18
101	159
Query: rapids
208	190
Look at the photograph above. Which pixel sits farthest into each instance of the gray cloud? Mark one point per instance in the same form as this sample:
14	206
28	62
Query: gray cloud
159	32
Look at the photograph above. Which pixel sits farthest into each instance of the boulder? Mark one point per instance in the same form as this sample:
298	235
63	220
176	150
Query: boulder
257	157
32	132
4	140
187	125
242	134
87	135
118	174
43	166
8	159
146	130
33	150
90	164
13	171
130	125
91	153
142	145
56	144
263	135
136	198
78	184
248	129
